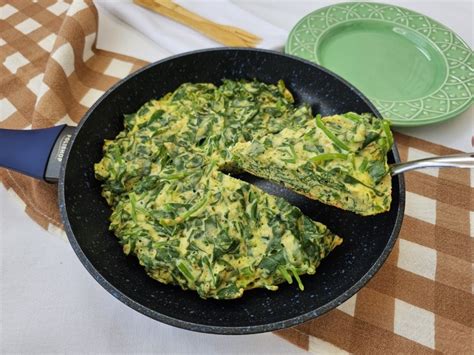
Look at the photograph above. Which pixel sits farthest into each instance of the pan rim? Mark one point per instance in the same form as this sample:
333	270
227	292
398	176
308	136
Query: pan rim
204	328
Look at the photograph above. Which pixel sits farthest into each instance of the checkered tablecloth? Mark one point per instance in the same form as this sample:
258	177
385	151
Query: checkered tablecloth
420	301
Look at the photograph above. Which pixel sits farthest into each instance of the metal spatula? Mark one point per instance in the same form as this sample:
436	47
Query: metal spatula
464	160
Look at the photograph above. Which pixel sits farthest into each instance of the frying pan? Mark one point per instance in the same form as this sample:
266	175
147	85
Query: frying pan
67	155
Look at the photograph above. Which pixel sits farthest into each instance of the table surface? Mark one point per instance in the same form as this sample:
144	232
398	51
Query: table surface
50	304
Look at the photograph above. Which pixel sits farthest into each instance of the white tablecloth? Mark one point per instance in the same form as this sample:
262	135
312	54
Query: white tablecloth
50	304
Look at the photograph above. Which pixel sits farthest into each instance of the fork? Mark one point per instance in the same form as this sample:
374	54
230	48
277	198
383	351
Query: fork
225	34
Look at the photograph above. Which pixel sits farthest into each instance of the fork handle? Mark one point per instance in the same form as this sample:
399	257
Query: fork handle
464	160
206	27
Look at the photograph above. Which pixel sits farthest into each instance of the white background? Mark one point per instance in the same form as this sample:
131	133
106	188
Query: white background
50	304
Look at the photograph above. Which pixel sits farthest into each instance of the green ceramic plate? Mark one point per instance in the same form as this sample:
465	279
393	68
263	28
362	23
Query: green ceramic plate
415	70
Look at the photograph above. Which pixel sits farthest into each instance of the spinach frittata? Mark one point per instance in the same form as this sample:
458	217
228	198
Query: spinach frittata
187	221
339	160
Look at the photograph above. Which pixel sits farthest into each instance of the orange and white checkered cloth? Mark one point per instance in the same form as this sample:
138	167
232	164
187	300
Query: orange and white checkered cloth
420	301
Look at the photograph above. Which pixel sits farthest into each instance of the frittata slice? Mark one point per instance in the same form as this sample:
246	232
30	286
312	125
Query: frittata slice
340	160
219	235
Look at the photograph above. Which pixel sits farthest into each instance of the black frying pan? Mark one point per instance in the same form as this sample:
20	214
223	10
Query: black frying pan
367	240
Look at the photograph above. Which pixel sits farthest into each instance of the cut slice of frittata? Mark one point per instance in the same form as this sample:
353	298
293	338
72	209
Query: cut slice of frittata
219	235
340	160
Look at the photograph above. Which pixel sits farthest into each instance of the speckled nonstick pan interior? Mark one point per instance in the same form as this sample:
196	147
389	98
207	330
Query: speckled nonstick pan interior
367	240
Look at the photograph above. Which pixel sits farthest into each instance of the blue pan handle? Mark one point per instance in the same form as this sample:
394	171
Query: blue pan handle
37	152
